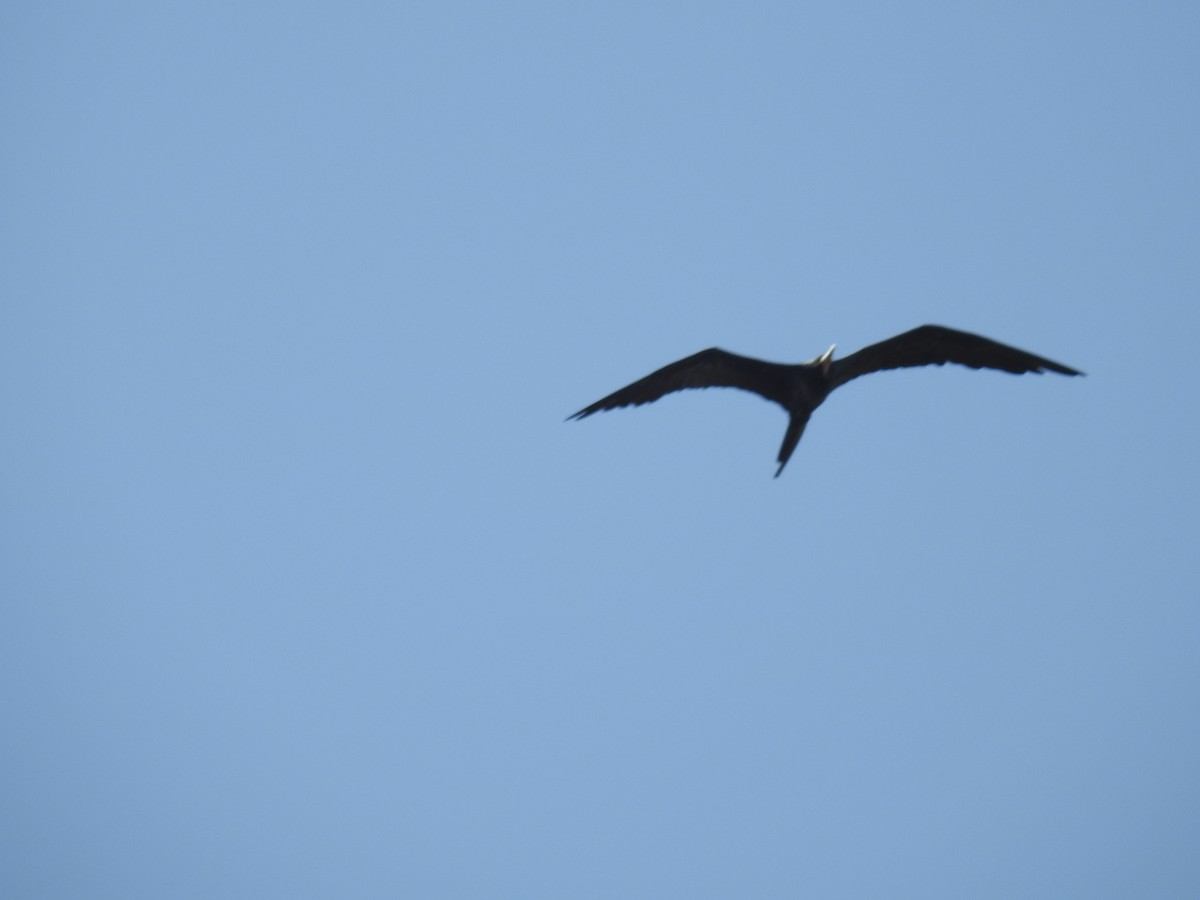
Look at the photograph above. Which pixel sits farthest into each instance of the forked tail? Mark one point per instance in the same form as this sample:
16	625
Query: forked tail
790	439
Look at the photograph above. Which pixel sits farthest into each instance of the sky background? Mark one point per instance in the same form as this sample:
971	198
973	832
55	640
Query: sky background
307	590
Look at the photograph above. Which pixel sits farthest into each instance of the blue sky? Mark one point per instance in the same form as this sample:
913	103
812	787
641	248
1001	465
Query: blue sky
308	590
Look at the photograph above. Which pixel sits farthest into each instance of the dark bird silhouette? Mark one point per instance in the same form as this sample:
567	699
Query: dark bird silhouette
801	388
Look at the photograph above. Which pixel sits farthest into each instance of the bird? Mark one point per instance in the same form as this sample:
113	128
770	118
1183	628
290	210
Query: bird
800	388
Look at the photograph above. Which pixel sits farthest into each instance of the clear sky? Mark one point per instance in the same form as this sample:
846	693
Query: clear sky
309	591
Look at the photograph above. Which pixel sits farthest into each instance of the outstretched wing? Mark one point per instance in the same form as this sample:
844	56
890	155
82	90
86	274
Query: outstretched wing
708	368
934	345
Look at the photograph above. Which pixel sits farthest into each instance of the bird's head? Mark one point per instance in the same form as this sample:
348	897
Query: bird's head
824	361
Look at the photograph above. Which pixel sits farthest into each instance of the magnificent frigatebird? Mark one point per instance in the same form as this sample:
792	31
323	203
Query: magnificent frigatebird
801	388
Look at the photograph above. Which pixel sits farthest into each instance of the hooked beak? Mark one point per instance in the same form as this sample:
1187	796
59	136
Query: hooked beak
826	359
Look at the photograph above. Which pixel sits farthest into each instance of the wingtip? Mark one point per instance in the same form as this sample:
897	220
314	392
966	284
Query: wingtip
1064	370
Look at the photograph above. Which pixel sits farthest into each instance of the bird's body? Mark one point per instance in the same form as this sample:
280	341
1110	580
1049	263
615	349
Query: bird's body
801	388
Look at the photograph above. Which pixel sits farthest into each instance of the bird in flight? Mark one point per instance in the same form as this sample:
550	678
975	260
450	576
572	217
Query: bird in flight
801	388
